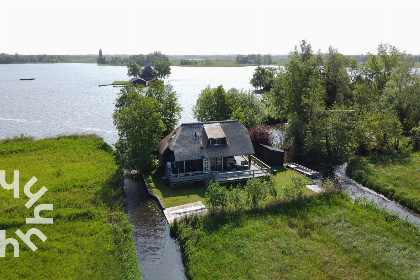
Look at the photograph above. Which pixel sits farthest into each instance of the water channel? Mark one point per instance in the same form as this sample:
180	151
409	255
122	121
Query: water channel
357	190
65	99
158	254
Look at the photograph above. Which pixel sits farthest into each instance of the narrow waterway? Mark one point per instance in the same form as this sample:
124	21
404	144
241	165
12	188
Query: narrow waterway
158	254
357	190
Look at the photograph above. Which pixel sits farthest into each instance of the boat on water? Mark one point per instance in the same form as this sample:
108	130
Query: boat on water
27	79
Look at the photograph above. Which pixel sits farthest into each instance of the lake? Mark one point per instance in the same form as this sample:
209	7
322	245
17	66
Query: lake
66	98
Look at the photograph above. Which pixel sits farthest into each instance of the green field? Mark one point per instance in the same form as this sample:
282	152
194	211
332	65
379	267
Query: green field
90	237
192	193
396	176
323	237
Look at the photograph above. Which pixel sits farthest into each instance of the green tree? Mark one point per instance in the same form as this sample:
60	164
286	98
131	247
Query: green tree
101	59
378	68
162	69
139	126
216	196
212	105
169	107
246	108
263	77
402	94
258	190
300	91
134	70
337	127
337	79
415	138
237	198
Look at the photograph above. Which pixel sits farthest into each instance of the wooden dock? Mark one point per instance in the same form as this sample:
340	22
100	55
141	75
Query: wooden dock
186	210
311	174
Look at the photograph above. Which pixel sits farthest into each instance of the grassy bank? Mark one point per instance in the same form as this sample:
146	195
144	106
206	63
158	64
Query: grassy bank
90	237
324	237
395	176
197	192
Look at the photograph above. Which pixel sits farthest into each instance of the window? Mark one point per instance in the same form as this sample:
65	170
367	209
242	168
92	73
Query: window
217	141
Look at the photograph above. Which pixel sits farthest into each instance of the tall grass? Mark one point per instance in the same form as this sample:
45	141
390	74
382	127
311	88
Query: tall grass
91	236
395	176
321	237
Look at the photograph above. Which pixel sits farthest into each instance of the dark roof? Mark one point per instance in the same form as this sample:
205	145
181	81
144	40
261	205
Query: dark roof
147	73
138	81
274	149
189	141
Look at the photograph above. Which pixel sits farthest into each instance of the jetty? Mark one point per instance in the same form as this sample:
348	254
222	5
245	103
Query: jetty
183	211
311	174
27	79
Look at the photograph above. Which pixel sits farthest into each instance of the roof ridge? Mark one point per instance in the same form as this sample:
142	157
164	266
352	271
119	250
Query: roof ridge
209	122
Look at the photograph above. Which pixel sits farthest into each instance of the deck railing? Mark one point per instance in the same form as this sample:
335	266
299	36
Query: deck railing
220	176
260	164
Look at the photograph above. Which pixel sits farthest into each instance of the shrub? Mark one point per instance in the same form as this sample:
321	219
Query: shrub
216	196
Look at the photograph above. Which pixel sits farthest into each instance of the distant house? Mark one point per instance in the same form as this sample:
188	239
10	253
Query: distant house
145	77
204	151
138	81
147	73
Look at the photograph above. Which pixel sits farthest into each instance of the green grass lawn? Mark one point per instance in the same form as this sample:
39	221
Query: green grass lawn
322	237
396	176
192	193
91	236
121	82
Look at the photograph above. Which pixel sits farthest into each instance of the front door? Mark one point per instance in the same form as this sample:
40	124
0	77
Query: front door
206	165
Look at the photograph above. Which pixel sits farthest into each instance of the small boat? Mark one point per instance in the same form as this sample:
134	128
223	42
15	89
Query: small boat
27	79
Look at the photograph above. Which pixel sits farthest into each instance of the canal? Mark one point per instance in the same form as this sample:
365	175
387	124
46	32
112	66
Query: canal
159	255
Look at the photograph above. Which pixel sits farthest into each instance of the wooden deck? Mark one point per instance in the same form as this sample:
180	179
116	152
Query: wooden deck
255	169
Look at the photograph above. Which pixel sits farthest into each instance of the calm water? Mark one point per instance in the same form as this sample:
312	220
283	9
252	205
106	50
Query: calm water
158	254
66	98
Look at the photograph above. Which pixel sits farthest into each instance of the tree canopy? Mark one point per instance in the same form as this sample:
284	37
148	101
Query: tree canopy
140	128
134	70
215	104
162	69
336	108
142	117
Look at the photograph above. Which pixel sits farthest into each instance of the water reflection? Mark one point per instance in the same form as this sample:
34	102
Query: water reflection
158	254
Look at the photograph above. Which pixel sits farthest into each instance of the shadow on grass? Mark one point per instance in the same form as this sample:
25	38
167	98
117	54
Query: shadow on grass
179	195
298	208
386	160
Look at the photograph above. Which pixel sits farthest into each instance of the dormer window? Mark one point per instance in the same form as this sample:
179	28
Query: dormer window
215	134
217	141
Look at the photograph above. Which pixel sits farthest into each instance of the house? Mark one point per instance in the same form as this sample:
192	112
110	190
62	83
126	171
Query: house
147	73
138	81
204	151
145	77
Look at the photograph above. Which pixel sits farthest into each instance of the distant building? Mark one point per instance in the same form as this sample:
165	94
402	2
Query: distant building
147	73
138	81
145	77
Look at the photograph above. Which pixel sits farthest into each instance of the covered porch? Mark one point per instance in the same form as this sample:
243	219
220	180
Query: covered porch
226	169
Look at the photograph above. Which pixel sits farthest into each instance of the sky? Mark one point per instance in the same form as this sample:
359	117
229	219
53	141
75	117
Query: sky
206	27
